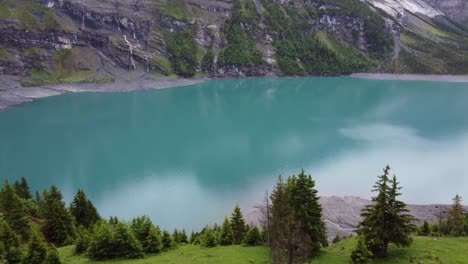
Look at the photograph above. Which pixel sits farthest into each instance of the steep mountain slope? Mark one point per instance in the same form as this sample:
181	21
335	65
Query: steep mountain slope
53	41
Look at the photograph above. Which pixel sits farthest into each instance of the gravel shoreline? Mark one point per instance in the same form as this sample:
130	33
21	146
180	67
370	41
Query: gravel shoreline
13	94
411	77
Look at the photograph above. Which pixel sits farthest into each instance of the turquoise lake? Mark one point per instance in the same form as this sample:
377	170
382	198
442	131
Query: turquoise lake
186	156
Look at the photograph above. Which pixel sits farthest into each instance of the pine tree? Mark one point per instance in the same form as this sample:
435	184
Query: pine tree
22	189
176	236
167	241
14	211
36	251
456	218
124	244
83	238
10	243
141	227
153	241
59	226
52	256
101	242
252	238
238	225
226	236
425	229
361	255
387	219
183	237
287	241
193	237
83	210
307	210
209	238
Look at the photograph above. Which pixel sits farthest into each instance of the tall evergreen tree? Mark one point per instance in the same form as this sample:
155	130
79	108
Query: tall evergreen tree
83	210
209	238
287	241
183	237
456	218
387	219
226	237
14	211
141	227
58	221
22	189
238	225
153	241
167	241
425	229
10	243
176	236
36	251
307	210
252	238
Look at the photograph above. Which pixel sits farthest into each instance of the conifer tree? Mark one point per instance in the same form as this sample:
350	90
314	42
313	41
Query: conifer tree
307	210
14	211
141	227
360	254
124	244
100	244
193	237
83	210
10	244
209	238
52	256
36	251
425	229
387	219
183	237
176	236
336	239
83	238
456	218
226	236
58	220
252	238
238	225
167	241
22	189
153	241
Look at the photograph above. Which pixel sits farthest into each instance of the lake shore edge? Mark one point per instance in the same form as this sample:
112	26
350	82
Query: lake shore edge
12	93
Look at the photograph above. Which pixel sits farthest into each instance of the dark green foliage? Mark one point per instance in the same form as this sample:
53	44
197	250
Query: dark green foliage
183	239
113	220
9	244
456	218
240	31
209	238
297	230
307	210
83	238
226	236
167	241
83	210
153	241
183	50
207	62
111	242
141	227
387	219
336	239
361	255
22	189
194	238
14	211
252	238
59	226
52	256
36	251
300	51
425	229
237	225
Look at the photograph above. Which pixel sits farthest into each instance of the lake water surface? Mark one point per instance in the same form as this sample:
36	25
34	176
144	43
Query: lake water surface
186	156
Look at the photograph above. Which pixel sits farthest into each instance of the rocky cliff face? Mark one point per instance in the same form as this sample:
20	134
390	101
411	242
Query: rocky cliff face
48	39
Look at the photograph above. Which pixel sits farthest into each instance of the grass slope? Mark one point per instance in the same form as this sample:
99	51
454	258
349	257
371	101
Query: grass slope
184	255
427	250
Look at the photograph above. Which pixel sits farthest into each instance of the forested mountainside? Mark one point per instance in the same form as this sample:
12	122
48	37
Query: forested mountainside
87	40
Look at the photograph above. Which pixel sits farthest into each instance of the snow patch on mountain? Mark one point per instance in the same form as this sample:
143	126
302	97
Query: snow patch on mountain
397	8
